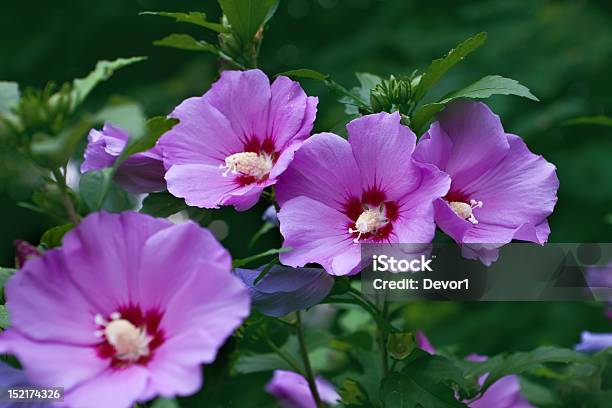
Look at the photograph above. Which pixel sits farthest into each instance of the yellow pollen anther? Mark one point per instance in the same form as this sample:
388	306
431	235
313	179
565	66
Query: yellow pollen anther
465	210
369	221
248	164
130	342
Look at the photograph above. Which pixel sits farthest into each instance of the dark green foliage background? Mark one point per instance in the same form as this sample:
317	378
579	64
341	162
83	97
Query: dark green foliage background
561	50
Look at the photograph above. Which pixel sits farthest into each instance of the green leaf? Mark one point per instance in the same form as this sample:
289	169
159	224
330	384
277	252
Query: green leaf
422	117
99	192
516	363
367	82
352	393
165	403
400	345
491	85
162	204
481	89
440	66
126	114
304	73
345	96
601	120
156	127
53	237
9	96
92	187
537	394
424	383
237	263
50	200
185	42
104	70
4	317
252	363
247	16
52	152
5	274
192	17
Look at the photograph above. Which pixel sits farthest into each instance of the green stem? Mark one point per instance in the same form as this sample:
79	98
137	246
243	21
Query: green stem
371	308
60	178
382	325
382	338
307	367
288	359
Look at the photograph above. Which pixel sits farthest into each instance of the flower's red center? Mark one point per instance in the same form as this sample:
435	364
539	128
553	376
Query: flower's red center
254	163
129	336
372	215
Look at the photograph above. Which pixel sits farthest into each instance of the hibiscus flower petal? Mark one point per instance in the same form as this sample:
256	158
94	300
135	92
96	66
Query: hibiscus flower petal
324	169
382	148
317	233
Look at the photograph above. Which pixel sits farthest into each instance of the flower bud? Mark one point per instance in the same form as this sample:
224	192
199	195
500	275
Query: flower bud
400	345
24	251
379	101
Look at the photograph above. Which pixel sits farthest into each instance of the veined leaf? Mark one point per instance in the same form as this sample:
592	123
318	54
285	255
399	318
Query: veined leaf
185	42
440	66
93	187
516	363
81	87
425	382
247	16
491	85
481	89
9	96
192	17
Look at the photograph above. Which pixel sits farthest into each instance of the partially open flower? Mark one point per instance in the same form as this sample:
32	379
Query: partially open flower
139	173
127	309
500	191
236	139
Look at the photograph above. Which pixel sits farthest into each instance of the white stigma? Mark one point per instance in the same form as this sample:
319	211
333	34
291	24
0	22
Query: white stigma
130	342
369	221
248	164
465	210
